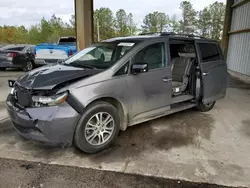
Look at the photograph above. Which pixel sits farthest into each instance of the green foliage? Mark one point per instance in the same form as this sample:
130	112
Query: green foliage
174	24
207	22
124	23
46	31
189	14
217	11
204	22
104	19
155	22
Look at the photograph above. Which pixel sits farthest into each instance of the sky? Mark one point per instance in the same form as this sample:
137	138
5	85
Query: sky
30	12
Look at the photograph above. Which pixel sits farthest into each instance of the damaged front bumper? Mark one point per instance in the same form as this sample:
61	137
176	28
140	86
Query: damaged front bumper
54	125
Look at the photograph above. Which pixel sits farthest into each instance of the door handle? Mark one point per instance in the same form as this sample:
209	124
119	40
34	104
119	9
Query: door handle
205	73
167	79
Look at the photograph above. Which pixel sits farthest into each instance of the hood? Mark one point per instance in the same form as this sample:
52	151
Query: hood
47	77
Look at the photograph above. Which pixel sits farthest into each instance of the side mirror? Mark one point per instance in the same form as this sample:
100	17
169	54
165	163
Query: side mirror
138	68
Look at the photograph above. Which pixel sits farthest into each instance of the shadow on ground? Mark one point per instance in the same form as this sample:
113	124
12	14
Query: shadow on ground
2	105
245	129
234	83
177	130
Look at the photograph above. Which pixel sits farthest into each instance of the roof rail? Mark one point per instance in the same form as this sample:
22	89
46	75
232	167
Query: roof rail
172	33
155	33
187	35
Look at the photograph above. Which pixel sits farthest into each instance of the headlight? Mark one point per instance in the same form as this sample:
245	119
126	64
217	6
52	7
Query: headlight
50	101
12	91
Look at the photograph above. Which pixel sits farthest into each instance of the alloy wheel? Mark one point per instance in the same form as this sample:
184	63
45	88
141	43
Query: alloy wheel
99	128
29	66
208	105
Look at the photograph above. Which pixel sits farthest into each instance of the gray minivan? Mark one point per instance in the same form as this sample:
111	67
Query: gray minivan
88	98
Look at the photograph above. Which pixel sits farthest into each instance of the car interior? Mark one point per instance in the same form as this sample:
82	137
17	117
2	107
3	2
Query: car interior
183	58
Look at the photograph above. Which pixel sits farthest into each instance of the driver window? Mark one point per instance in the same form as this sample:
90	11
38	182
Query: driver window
154	55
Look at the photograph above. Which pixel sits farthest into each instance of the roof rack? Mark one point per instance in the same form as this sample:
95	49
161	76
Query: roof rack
173	34
155	33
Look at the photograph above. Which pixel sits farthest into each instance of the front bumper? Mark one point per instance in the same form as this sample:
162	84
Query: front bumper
53	125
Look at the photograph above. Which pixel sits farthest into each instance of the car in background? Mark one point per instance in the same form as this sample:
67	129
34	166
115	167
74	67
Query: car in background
17	56
46	53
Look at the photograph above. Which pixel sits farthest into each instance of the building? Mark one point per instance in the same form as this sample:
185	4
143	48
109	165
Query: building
236	38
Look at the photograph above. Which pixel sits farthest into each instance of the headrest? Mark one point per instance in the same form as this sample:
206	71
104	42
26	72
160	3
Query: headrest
189	55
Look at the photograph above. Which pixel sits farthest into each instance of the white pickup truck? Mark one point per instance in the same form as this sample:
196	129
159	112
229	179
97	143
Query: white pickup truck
46	53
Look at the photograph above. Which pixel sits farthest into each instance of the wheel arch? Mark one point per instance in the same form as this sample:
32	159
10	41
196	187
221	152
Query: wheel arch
118	105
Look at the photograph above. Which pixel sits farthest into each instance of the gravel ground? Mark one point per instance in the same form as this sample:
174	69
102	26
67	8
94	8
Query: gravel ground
21	174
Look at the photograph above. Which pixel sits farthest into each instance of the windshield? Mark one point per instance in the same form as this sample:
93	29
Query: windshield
99	56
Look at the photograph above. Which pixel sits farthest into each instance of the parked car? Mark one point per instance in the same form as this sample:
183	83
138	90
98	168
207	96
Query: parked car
50	53
90	97
17	56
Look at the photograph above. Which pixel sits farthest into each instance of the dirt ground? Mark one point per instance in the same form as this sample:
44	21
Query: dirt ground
37	175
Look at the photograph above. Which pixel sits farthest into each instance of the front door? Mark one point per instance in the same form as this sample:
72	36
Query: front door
150	92
213	71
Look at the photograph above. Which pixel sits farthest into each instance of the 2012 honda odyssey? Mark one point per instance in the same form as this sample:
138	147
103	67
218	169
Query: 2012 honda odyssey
120	82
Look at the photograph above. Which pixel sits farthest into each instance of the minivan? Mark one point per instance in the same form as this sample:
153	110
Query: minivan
111	85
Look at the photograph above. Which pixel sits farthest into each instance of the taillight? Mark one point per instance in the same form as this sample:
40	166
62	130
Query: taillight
11	54
70	53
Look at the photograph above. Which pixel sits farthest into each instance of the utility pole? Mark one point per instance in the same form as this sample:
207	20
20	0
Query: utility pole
98	30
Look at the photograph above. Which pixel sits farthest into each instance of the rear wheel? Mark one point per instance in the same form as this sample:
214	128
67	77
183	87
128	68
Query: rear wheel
28	66
2	68
206	107
97	128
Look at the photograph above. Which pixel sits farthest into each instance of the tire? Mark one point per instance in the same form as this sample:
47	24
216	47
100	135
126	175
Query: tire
2	68
206	107
81	134
29	65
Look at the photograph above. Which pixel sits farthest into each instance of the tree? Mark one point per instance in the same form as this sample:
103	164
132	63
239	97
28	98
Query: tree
217	11
34	35
209	23
104	19
131	24
57	26
189	20
72	21
204	22
121	22
45	30
124	23
174	24
155	22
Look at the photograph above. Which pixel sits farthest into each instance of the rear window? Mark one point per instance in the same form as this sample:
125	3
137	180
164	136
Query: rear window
209	52
67	41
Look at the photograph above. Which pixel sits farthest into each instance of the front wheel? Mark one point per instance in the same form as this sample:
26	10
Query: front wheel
28	66
206	107
98	128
